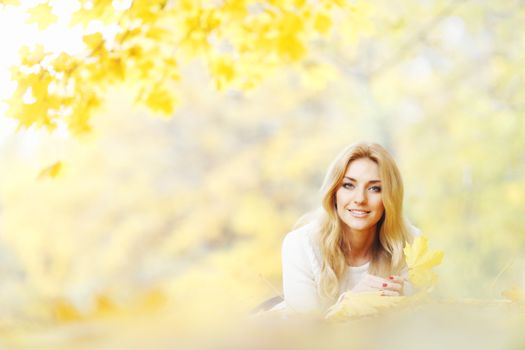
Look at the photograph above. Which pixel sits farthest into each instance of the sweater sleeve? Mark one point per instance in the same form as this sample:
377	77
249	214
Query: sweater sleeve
299	286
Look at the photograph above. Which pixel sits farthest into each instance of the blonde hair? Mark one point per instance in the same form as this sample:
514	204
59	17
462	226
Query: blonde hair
391	230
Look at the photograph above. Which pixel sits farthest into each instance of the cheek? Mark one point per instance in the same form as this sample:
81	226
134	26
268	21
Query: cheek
378	204
381	208
339	200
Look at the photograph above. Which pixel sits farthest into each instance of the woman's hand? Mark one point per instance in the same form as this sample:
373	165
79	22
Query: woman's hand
393	286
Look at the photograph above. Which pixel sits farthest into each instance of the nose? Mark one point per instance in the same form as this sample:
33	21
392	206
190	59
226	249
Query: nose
359	196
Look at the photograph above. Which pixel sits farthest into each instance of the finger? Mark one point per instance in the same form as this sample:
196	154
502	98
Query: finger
397	278
392	286
389	293
377	280
390	279
381	283
384	284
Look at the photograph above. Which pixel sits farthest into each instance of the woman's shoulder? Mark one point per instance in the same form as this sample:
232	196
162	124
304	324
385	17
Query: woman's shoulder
304	235
301	249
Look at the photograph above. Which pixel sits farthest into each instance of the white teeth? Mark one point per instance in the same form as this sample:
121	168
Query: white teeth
358	213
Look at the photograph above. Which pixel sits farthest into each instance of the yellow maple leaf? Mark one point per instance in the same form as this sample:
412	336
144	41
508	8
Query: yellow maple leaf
65	311
223	71
51	171
290	47
63	62
93	41
420	262
322	23
42	15
103	304
361	304
161	100
32	55
115	69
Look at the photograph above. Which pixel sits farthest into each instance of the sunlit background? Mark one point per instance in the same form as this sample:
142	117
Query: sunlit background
181	219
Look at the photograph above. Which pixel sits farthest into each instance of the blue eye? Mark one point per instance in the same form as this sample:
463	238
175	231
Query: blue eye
375	188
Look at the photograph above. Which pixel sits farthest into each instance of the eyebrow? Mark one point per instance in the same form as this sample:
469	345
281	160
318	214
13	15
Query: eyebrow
370	182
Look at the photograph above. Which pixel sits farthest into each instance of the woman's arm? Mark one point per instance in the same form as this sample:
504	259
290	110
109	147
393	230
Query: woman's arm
299	286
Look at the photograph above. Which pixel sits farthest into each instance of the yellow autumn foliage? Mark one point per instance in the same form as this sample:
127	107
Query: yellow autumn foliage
420	262
241	42
203	201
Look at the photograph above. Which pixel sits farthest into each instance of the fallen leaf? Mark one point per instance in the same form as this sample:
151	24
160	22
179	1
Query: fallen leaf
361	304
51	171
515	294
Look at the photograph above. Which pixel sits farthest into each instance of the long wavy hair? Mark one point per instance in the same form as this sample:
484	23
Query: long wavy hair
391	230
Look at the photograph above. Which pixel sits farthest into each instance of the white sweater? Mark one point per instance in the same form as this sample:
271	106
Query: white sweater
301	267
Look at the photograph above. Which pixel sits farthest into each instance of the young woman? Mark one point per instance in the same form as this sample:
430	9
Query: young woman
355	241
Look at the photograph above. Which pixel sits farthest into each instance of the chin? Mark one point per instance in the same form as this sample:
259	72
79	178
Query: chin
359	227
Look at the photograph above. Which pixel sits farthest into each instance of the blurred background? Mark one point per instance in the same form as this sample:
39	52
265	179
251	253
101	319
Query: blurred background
184	216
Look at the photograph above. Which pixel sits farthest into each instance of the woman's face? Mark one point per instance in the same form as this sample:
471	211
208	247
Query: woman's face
359	200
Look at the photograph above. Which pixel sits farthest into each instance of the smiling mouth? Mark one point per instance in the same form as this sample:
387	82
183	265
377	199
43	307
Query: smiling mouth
359	213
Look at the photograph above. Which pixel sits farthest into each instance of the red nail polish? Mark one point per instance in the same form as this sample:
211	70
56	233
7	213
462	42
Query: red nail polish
384	285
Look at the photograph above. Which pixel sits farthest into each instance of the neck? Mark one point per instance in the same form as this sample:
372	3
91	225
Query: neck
358	245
